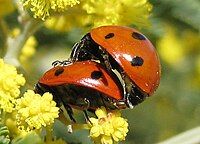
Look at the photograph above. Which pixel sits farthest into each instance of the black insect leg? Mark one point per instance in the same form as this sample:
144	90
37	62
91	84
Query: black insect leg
56	63
86	116
127	89
70	113
87	102
75	51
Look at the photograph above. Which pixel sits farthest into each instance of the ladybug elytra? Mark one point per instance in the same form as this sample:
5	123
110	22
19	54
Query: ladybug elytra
82	85
129	52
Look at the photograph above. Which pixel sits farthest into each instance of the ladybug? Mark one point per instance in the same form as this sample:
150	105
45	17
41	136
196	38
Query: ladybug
84	85
129	52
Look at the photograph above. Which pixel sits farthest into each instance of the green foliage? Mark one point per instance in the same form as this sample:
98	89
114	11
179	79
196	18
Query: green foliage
31	138
179	12
4	134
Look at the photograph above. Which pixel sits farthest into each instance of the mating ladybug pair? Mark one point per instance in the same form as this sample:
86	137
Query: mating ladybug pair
112	66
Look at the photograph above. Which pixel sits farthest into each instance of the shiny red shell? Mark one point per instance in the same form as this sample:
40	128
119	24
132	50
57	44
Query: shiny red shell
124	43
80	73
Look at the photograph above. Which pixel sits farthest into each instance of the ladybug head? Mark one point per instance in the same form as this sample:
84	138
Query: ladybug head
39	89
136	96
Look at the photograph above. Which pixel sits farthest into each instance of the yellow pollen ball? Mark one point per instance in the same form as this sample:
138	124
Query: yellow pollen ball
43	8
109	128
35	111
10	83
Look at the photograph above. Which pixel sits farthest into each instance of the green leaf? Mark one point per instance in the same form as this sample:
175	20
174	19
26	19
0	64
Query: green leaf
4	140
4	134
31	138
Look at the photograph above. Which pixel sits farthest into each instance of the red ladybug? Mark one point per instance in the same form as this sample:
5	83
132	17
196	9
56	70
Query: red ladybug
129	52
82	85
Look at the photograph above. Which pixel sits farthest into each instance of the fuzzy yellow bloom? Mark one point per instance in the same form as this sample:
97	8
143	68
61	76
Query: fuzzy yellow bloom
43	8
90	13
123	12
35	111
170	47
28	49
10	83
109	128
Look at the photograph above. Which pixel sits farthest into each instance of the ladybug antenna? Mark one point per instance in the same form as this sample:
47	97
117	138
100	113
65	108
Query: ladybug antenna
66	62
61	63
56	63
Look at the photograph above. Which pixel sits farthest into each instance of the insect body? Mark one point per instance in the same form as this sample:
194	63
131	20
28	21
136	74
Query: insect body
82	85
129	52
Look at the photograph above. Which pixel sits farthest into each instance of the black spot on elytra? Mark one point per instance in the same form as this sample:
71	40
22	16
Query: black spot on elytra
110	35
59	71
96	75
137	61
138	36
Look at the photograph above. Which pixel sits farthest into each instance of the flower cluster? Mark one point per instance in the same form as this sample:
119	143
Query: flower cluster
29	112
10	83
109	128
29	49
117	12
97	13
42	8
171	45
34	111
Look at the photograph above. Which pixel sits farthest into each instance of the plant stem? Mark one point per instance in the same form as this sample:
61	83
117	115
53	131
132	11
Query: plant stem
15	45
3	31
189	137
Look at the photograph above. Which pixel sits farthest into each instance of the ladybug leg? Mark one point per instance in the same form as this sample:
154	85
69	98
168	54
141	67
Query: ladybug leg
75	51
56	63
84	104
128	102
70	113
87	102
86	116
65	62
132	95
127	90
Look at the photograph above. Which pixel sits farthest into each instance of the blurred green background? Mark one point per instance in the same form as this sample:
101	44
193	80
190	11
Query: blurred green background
175	106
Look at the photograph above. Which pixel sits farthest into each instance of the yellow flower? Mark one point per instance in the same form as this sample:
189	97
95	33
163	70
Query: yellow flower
15	32
109	128
43	8
6	7
65	23
29	49
170	47
114	12
10	83
90	13
35	111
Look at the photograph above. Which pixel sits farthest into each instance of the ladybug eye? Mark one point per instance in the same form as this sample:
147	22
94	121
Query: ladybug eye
110	35
138	36
137	61
59	71
96	74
